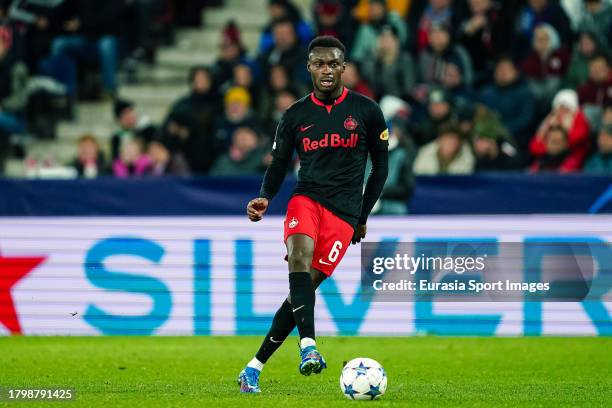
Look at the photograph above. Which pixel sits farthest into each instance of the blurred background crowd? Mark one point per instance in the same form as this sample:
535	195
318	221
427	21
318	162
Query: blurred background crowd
466	85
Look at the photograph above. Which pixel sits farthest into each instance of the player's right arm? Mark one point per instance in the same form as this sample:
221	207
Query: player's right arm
282	153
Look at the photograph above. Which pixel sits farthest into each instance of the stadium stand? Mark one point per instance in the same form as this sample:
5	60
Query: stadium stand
188	76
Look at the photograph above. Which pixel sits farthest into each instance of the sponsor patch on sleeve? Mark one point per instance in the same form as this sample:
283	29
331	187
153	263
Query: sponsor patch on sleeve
384	135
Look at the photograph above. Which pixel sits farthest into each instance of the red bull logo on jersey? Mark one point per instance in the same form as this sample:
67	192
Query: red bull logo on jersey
331	140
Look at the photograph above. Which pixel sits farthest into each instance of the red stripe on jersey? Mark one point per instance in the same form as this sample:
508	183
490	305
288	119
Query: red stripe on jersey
338	101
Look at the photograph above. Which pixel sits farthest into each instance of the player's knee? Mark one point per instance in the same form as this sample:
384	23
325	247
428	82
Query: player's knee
299	260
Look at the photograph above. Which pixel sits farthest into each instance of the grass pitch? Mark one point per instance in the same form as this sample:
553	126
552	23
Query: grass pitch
201	371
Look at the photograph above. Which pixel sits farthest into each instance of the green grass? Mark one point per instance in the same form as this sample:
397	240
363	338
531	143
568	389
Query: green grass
201	371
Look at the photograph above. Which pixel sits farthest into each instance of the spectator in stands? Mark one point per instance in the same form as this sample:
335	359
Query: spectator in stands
391	70
12	74
366	39
600	161
453	82
557	152
486	33
566	115
545	66
436	13
189	130
278	81
510	96
332	17
353	79
534	13
284	10
244	157
132	162
448	154
598	19
286	51
90	162
402	152
596	93
90	29
232	53
146	18
588	45
237	114
163	162
283	100
37	24
493	145
439	112
13	77
442	51
361	9
243	77
131	126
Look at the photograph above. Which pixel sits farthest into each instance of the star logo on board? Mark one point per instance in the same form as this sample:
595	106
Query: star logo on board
12	270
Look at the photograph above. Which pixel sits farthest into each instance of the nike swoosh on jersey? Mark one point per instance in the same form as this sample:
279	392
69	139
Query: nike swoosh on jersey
305	128
323	262
298	308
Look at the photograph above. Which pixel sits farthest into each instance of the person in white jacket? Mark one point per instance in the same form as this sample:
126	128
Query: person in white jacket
450	153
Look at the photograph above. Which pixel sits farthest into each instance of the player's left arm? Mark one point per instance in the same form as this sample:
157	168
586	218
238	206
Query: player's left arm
377	136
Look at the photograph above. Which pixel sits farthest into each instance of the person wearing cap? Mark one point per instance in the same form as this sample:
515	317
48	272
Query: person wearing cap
535	12
510	96
545	66
238	113
332	17
366	38
232	52
439	111
493	145
600	162
450	153
391	70
131	126
400	182
566	113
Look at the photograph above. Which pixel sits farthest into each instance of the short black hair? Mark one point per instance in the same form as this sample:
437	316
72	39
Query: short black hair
327	41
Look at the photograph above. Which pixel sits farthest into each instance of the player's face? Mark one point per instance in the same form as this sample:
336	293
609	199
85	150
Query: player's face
326	66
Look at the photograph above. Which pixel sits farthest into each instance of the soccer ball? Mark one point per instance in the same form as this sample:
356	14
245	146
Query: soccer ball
363	379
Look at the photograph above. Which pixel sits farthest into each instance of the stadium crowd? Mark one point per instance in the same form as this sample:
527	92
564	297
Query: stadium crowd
465	85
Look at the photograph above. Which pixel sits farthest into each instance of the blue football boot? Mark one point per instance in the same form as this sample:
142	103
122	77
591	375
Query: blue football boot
248	379
312	361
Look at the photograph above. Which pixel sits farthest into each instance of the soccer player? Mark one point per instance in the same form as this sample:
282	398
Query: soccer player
333	130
